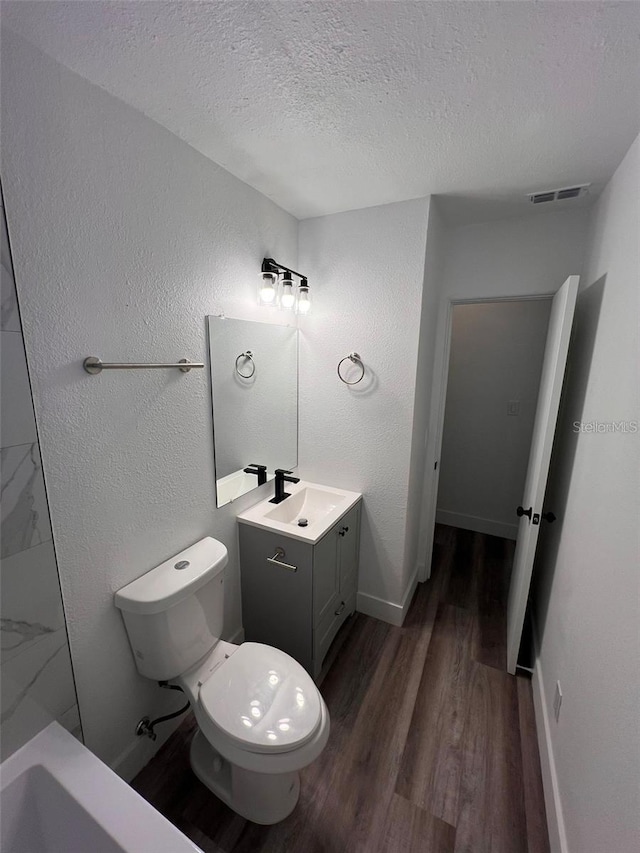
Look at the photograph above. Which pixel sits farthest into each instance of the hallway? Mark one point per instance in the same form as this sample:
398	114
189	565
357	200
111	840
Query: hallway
433	745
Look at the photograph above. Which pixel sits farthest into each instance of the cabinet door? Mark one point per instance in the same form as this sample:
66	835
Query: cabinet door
326	578
348	550
276	601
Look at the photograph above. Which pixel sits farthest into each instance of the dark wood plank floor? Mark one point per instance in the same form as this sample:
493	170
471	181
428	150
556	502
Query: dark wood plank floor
433	745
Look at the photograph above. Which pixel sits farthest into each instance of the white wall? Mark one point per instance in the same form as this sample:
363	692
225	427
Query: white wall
514	257
124	239
496	357
414	552
530	255
587	602
371	267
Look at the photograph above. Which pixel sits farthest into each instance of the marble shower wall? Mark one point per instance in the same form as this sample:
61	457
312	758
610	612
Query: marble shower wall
35	668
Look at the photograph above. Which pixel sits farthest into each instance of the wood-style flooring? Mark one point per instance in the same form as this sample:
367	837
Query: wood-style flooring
433	745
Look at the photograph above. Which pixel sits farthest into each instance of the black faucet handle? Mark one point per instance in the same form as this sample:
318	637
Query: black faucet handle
259	470
284	475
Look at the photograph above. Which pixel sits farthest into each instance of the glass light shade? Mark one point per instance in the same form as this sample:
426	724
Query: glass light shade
287	299
304	300
267	289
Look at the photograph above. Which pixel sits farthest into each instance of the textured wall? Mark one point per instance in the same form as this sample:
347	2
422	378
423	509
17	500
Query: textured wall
125	239
37	680
371	267
496	356
587	599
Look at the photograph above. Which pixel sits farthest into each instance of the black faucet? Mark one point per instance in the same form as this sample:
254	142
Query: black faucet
259	470
282	478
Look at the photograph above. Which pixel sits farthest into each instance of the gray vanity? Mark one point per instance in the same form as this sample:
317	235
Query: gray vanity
299	582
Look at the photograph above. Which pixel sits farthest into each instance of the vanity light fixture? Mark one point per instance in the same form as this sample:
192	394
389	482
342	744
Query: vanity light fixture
304	299
268	286
289	297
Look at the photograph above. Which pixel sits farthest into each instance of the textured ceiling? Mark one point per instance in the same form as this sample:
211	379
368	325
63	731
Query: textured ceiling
332	106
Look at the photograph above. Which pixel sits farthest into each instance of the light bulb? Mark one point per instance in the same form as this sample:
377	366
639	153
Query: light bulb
267	292
304	298
288	298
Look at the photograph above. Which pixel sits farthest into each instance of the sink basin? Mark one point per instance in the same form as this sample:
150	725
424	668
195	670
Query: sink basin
320	506
309	503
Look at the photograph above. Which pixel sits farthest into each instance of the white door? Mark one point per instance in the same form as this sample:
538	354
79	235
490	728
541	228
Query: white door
553	366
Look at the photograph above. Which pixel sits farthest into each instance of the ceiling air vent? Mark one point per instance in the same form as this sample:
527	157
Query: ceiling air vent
559	195
539	198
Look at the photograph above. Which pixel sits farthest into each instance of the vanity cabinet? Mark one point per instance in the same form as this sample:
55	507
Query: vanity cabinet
296	595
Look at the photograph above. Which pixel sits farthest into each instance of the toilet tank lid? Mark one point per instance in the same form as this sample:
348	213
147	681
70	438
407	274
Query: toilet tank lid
175	579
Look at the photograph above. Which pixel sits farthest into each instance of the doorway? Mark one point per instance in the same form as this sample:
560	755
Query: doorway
530	512
493	378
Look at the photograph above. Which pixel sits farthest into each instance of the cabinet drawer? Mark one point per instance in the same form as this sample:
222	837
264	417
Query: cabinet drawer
326	631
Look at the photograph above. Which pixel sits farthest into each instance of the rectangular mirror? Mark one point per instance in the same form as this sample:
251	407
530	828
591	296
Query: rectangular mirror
254	386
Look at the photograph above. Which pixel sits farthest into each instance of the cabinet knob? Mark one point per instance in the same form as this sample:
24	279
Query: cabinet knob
342	531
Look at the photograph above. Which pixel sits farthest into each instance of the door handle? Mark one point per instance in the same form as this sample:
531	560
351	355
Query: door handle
277	561
522	511
549	516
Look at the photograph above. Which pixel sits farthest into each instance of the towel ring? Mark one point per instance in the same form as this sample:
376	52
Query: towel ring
248	355
355	358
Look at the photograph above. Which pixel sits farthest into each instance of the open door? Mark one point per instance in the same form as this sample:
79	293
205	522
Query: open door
553	367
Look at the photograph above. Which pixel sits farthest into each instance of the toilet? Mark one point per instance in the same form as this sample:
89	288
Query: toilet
260	717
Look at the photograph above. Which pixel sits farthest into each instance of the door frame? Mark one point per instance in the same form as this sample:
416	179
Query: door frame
437	404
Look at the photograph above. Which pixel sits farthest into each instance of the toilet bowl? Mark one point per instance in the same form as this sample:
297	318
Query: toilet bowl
260	716
261	719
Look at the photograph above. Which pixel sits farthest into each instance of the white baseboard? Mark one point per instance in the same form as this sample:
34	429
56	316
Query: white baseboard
477	524
552	801
141	750
388	611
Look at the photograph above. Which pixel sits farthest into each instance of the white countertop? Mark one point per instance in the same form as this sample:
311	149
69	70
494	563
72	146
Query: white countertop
323	505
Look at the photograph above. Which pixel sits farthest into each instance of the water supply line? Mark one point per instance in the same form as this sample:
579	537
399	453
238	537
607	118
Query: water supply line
145	726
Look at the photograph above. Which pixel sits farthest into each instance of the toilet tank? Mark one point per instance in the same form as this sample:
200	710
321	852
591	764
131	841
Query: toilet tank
174	613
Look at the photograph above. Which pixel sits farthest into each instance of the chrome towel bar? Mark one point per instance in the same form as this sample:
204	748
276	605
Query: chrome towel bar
276	560
94	365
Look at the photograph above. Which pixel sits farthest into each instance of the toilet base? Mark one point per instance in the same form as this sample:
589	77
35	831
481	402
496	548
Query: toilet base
263	798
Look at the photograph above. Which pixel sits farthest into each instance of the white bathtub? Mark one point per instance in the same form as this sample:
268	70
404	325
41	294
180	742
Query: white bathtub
57	797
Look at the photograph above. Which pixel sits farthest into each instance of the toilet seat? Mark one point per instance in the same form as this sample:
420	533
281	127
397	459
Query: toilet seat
262	700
